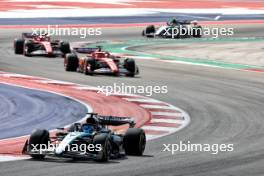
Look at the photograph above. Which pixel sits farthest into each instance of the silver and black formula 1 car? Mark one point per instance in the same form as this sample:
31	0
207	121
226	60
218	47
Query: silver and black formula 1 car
96	61
40	45
174	29
90	140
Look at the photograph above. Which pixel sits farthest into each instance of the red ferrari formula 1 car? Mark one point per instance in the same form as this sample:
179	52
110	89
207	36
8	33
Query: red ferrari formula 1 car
40	45
96	61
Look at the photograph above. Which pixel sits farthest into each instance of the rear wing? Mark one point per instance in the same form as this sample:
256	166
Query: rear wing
84	50
87	50
114	120
28	35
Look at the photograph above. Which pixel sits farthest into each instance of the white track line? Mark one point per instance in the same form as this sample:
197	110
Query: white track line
166	113
166	121
54	82
158	128
151	137
147	106
15	75
4	158
86	88
142	100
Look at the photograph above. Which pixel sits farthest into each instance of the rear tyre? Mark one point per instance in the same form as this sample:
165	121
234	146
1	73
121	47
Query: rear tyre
19	46
71	63
197	31
37	138
103	140
131	67
150	29
65	48
134	141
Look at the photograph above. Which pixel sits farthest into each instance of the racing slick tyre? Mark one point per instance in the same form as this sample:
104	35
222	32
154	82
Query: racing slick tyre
134	141
19	46
149	32
28	48
91	62
150	29
37	138
197	31
104	154
65	48
71	63
130	65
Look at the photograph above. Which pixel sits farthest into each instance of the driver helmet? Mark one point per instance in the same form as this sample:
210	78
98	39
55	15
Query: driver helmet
195	22
174	21
87	128
92	121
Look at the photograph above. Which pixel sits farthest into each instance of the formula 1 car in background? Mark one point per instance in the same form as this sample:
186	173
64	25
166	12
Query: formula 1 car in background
96	61
174	29
40	45
101	144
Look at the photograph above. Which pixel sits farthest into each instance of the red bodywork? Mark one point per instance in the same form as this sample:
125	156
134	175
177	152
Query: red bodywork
102	57
45	41
105	57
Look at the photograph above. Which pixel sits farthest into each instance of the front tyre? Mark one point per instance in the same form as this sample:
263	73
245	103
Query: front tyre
130	66
91	63
19	46
37	138
104	154
28	48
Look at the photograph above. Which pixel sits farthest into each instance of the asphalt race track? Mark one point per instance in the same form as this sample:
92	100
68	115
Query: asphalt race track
34	109
225	106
